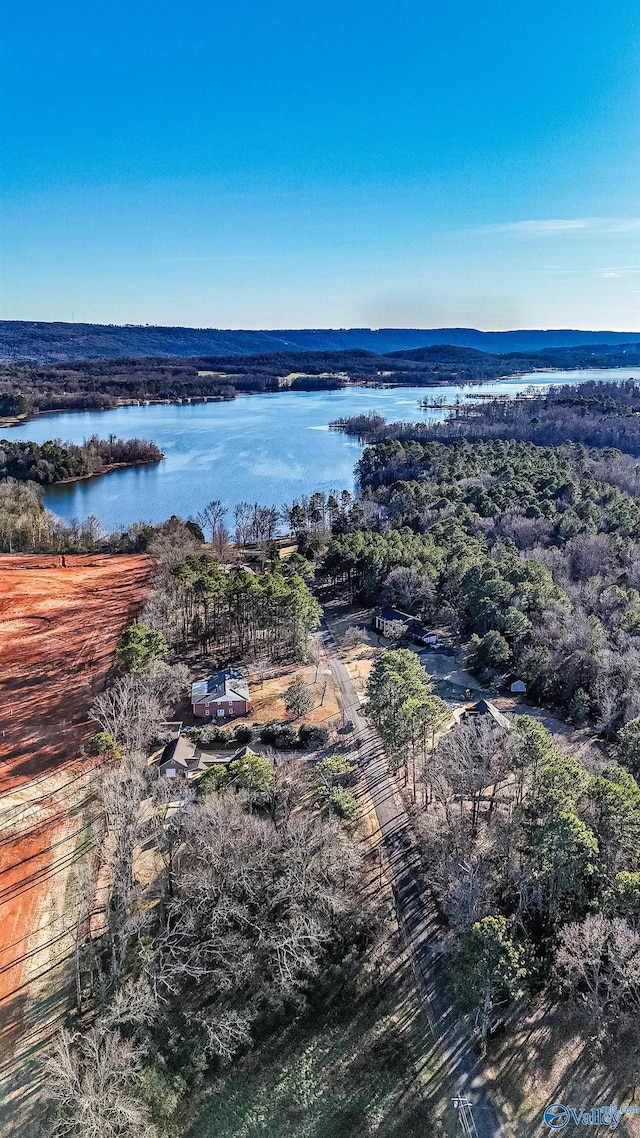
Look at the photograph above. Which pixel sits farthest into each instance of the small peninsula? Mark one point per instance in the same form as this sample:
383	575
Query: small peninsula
54	461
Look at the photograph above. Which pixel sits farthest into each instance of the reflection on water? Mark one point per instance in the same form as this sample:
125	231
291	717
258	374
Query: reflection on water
268	448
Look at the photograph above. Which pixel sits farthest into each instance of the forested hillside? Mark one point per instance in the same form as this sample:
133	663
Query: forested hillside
42	342
95	384
529	556
530	551
596	413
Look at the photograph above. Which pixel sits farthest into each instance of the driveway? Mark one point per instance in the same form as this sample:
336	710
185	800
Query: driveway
418	916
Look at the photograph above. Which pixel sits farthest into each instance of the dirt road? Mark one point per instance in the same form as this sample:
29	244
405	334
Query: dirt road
417	913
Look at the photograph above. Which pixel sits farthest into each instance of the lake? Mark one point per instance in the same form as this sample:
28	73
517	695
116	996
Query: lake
267	448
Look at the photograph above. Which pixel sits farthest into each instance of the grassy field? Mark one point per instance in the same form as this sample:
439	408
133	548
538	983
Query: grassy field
550	1056
371	1071
267	694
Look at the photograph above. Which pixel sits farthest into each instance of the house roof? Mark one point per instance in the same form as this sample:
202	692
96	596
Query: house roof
412	622
418	630
395	614
242	753
482	707
230	683
206	760
180	752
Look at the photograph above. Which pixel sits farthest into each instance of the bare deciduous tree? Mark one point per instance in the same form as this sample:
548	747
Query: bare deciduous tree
242	517
93	1087
129	711
600	961
224	1032
212	518
121	792
582	960
354	637
290	785
474	758
252	910
83	898
313	655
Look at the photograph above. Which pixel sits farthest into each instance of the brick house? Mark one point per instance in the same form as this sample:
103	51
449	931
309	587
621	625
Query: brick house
223	696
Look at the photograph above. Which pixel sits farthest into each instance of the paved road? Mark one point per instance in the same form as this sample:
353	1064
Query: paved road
417	912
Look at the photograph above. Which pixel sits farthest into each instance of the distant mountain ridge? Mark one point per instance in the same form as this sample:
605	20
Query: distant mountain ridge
57	342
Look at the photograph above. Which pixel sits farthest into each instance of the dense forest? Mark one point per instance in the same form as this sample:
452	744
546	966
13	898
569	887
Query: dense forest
534	860
596	413
529	553
100	384
54	461
231	614
529	556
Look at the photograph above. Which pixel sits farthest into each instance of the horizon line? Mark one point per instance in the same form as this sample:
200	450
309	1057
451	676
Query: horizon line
324	328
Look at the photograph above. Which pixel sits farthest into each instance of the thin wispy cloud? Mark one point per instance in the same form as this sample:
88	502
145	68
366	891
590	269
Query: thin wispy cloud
613	271
550	227
225	257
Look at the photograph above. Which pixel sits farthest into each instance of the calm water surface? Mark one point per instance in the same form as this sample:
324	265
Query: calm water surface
266	448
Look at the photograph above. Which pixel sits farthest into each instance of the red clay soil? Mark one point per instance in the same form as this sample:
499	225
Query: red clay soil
60	623
26	866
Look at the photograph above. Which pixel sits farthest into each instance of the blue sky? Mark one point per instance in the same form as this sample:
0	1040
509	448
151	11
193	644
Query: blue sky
283	163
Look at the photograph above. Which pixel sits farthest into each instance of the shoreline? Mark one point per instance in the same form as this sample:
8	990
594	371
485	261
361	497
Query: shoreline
105	470
109	469
8	421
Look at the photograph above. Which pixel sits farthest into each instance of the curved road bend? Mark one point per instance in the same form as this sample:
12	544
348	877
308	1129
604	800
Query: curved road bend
417	912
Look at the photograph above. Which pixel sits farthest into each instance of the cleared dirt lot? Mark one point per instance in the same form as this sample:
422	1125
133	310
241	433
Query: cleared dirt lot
60	622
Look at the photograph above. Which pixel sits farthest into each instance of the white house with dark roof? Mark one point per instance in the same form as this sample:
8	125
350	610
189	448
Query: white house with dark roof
388	617
223	696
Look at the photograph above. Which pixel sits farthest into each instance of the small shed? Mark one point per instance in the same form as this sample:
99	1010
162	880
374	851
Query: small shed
518	687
